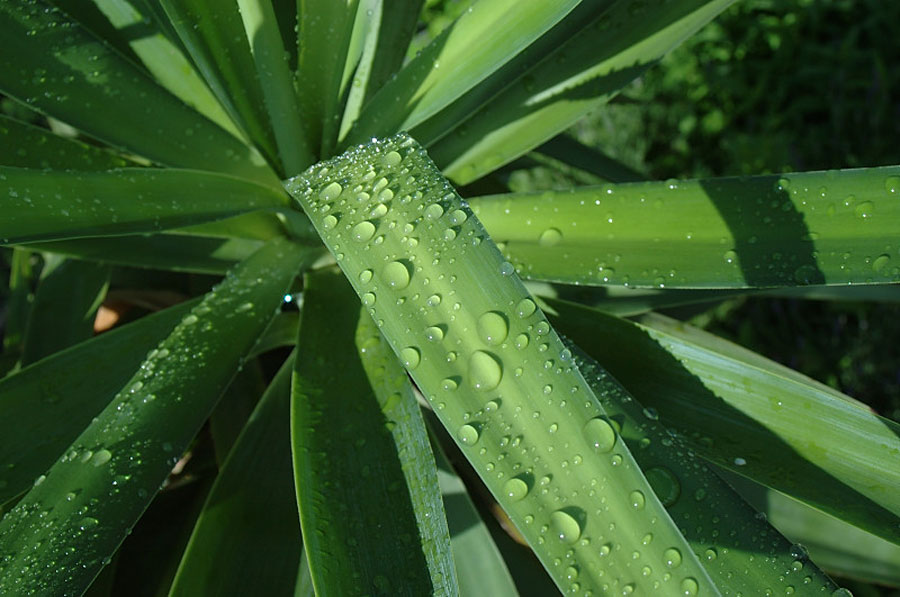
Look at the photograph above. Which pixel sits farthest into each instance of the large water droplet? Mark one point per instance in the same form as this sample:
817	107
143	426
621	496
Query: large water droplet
492	328
892	184
515	489
457	217
485	371
396	275
672	557
521	341
101	457
410	357
637	500
565	527
880	262
664	483
864	209
368	299
550	237
434	333
331	191
365	276
599	435
467	435
392	158
329	222
525	308
689	586
434	211
363	231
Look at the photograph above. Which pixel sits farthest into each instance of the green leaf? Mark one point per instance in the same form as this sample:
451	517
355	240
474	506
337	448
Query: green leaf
101	93
28	146
577	155
65	305
447	67
577	75
491	367
698	500
92	495
22	278
323	52
277	83
352	471
55	205
54	399
386	29
214	35
832	227
164	59
753	416
247	539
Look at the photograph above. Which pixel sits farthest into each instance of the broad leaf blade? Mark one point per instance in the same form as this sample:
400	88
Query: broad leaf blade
578	76
496	374
347	465
247	539
27	146
98	91
92	495
752	416
54	205
834	227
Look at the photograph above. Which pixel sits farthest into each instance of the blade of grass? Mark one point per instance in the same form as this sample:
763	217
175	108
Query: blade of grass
64	307
46	50
235	407
54	205
281	333
574	78
359	464
496	374
834	227
752	416
98	489
277	83
447	67
577	155
215	37
70	393
164	59
247	538
27	146
22	279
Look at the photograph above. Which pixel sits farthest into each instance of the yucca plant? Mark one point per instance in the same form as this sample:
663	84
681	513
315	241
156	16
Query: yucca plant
283	162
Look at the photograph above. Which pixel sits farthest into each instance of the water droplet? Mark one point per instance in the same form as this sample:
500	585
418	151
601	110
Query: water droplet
434	333
525	308
892	184
434	211
190	319
689	586
515	489
485	371
864	209
711	553
331	191
379	211
880	261
550	237
368	299
637	499
521	341
492	328
329	222
410	357
101	457
730	256
664	483
841	593
571	573
396	275
467	435
364	231
392	158
599	435
565	527
365	276
87	523
507	268
434	300
672	557
457	217
449	384
740	461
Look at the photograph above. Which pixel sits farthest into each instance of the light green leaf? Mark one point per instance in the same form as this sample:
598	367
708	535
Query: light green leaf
578	75
64	307
55	205
101	93
753	416
27	146
56	398
214	35
834	227
352	472
495	373
247	539
447	67
101	485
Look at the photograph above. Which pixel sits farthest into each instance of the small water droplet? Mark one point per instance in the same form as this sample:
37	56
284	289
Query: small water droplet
365	276
331	191
525	308
379	211
689	586
485	371
672	557
434	333
600	435
363	232
892	184
457	217
864	209
449	384
507	268
565	527
396	275
87	523
880	262
467	435
368	299
434	300
730	256
329	222
392	158
550	237
492	328
636	498
410	357
101	457
711	553
515	489
434	211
